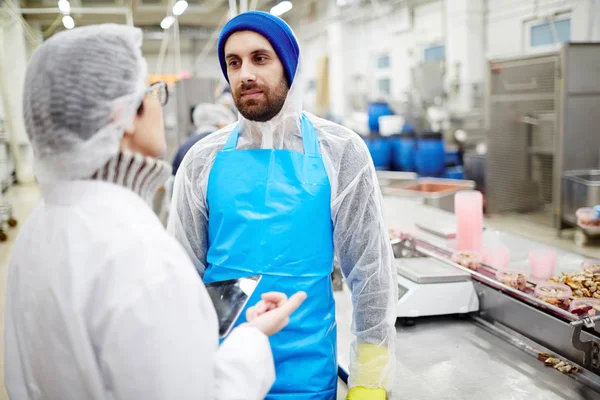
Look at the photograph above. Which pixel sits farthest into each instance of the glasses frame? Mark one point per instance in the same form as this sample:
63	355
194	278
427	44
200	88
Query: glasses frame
159	85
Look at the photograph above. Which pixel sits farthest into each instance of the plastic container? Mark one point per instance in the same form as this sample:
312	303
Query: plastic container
405	157
497	256
516	279
376	110
452	157
381	151
390	125
468	259
468	207
455	173
585	303
430	158
543	264
396	148
556	294
587	219
591	265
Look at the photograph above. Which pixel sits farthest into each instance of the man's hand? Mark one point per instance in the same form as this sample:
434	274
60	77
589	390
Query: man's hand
272	313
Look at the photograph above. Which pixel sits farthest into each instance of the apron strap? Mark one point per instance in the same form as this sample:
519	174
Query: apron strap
309	137
232	140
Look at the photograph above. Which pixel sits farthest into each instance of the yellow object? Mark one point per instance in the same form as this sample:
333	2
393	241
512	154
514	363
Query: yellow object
371	366
362	393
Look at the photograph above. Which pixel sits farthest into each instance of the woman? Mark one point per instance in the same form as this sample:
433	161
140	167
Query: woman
101	302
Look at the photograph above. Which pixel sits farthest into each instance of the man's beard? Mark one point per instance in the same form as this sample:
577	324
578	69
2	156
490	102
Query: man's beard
264	109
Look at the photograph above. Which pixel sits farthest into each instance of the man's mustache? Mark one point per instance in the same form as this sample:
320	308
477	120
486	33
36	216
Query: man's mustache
244	87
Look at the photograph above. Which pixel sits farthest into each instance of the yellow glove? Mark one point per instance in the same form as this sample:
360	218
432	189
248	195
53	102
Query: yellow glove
363	393
370	366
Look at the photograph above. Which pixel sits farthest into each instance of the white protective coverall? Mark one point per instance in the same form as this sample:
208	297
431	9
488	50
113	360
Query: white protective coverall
102	303
361	240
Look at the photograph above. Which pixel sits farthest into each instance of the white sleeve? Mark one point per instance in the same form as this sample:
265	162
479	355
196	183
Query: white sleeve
363	248
163	345
188	217
245	358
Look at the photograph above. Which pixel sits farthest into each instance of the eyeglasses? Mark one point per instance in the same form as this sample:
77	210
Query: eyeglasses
160	90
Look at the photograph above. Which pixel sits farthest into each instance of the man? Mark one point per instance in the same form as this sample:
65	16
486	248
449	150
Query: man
207	119
275	194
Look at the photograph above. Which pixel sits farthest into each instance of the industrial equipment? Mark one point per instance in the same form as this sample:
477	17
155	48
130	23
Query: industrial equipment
542	118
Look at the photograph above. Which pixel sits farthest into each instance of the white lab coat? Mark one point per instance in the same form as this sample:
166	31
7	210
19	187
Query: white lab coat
103	304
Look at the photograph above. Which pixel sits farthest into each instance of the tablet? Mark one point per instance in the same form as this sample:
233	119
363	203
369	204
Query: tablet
229	298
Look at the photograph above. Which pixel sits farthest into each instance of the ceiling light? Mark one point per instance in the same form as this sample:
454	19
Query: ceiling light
180	7
281	8
167	22
68	22
64	6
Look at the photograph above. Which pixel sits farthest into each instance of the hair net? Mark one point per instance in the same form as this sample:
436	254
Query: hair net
361	239
82	90
226	100
208	116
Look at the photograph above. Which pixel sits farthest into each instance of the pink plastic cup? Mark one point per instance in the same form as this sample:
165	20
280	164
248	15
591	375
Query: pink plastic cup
468	207
543	264
497	256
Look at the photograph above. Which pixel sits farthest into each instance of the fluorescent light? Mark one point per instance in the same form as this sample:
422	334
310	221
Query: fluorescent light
68	22
64	6
167	22
281	8
180	7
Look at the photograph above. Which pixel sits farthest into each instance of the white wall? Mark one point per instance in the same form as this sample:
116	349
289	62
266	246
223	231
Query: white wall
13	61
506	30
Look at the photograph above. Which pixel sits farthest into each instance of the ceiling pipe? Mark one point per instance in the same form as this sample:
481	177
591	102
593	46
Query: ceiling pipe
232	8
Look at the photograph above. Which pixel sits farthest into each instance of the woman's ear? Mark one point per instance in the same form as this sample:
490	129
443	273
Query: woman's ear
130	130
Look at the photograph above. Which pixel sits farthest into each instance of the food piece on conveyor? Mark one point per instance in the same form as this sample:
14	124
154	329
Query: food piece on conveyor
554	293
582	307
584	283
557	364
467	259
591	266
551	361
516	279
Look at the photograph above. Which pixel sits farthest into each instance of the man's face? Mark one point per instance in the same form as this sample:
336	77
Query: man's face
256	76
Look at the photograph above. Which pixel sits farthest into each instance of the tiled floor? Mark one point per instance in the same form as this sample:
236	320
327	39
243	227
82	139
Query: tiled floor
536	226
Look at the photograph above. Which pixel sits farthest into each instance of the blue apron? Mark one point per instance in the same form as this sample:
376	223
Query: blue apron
269	213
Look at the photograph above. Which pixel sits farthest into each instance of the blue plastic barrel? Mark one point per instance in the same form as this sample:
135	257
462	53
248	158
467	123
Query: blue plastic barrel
405	156
453	159
455	173
431	156
381	151
396	144
377	110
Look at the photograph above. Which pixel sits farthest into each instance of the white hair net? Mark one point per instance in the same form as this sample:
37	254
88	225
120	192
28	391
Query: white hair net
207	116
361	240
82	90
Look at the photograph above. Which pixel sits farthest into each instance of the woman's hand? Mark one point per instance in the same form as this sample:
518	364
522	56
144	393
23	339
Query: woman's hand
272	313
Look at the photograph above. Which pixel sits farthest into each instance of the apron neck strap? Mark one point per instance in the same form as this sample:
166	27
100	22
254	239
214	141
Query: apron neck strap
309	137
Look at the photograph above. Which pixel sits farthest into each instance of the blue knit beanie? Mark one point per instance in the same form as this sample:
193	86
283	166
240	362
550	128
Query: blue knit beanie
274	29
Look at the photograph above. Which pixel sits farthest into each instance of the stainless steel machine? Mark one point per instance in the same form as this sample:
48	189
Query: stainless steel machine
542	118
